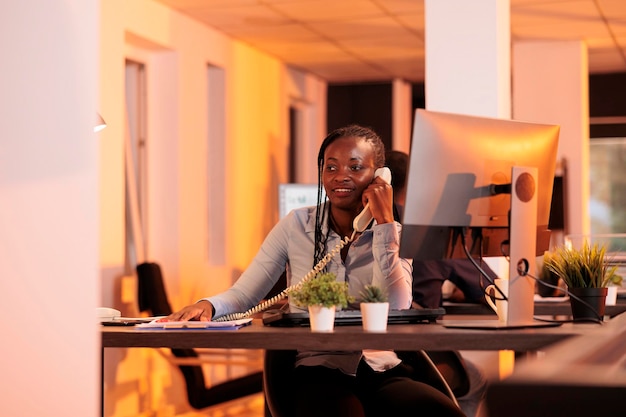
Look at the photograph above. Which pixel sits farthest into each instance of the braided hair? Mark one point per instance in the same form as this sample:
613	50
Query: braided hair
323	210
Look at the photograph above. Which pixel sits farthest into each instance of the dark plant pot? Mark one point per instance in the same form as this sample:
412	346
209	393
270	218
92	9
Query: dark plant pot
544	290
592	305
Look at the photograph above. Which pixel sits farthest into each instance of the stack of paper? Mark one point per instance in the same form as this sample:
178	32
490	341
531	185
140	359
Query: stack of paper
207	325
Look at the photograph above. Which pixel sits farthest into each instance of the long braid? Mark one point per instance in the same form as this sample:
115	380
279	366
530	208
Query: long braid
321	213
321	239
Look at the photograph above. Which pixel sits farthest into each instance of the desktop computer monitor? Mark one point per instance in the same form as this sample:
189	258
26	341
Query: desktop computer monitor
464	174
458	167
296	195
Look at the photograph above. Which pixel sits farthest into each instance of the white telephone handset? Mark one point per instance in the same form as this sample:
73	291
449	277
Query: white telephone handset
365	217
359	225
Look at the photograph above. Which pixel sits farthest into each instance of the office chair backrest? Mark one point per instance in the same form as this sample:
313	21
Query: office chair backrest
278	378
278	381
151	294
152	297
449	372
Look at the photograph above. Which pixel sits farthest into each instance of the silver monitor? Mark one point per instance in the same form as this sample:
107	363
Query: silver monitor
470	176
456	163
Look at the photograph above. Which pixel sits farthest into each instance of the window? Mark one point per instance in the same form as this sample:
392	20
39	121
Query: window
136	172
607	197
216	145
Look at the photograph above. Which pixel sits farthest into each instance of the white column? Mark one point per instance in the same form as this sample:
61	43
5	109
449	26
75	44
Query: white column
468	60
468	57
551	85
402	114
468	71
49	216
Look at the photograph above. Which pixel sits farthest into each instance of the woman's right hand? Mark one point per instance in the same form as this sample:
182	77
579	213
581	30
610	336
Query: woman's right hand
201	311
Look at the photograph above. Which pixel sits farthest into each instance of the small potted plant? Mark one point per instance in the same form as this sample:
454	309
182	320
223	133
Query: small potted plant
322	295
549	281
587	274
374	308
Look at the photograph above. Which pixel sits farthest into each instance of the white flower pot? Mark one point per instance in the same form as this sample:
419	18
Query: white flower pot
611	295
374	316
322	319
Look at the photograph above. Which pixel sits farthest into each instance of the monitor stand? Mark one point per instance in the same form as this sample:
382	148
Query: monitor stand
523	248
495	324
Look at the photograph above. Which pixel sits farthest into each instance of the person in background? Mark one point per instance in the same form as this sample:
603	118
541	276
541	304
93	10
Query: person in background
398	163
431	282
450	279
369	383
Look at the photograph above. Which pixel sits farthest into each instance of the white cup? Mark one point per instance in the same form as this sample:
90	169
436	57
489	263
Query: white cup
500	306
611	295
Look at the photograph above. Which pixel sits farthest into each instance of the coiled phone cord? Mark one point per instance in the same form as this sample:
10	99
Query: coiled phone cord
284	293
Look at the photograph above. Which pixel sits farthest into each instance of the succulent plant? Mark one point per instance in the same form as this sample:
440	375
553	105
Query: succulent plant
322	290
373	294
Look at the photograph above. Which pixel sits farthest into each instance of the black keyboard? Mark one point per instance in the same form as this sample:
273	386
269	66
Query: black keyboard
352	317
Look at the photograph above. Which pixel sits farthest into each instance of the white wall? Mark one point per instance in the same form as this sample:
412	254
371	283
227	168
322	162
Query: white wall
49	211
182	157
258	90
551	85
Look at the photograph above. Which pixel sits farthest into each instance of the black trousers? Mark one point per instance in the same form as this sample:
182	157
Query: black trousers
321	391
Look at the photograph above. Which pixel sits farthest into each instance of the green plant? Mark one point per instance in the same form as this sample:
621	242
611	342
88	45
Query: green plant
583	268
373	294
322	290
548	280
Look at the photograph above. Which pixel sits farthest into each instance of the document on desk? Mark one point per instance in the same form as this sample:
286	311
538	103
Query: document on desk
196	325
540	299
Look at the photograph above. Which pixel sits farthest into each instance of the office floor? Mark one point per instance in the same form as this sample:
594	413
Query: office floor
251	406
254	406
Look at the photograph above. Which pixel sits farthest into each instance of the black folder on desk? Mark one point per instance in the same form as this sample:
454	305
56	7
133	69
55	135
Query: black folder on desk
352	317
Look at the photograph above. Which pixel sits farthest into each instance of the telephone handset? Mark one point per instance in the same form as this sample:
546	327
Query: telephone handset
359	225
365	217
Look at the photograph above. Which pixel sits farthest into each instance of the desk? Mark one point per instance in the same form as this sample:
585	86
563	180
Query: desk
541	309
398	336
433	336
580	377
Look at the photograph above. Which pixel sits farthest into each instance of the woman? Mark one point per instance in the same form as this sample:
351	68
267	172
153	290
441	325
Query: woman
369	383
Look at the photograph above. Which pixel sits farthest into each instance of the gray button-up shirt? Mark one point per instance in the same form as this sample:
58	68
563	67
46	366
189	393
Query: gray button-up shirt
373	258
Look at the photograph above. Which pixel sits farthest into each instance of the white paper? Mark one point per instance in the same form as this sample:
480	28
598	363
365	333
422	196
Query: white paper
195	324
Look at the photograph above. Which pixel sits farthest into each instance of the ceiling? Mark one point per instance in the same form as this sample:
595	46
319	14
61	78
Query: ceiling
369	40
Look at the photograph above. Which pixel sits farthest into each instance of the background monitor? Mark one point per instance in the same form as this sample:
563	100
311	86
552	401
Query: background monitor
292	196
454	163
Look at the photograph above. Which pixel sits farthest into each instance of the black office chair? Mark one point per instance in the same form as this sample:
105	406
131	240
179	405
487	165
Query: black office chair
153	299
278	378
444	370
